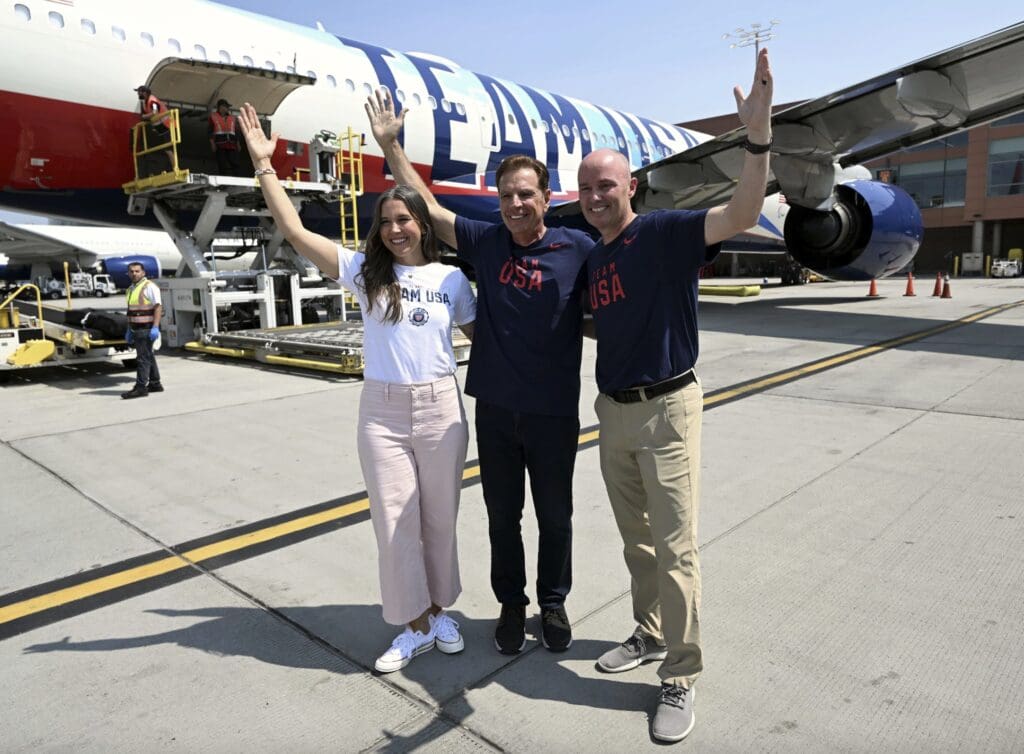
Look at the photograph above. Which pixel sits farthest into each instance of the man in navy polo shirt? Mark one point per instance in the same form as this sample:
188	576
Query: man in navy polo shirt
524	371
643	278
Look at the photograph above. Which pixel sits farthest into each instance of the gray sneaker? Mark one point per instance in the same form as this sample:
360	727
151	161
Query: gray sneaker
637	649
674	719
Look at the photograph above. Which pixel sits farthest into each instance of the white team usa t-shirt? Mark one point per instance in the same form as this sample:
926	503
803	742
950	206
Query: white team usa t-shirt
418	348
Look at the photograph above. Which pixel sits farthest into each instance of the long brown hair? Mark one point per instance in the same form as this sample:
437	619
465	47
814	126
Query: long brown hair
378	272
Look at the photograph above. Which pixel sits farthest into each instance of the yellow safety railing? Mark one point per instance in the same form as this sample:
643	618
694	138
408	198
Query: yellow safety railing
12	319
141	147
350	171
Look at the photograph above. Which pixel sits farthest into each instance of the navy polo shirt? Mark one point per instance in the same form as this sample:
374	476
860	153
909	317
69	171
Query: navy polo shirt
527	340
642	289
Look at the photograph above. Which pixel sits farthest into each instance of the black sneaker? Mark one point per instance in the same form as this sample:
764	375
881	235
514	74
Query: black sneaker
510	633
155	387
135	392
555	631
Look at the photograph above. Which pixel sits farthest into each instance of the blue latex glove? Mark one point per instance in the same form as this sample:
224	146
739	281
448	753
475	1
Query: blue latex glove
129	336
154	332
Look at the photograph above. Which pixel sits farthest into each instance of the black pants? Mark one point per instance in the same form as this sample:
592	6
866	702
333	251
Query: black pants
510	443
228	162
146	372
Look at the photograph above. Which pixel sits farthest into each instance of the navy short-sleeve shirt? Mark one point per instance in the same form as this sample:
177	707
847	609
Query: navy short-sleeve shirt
527	341
642	290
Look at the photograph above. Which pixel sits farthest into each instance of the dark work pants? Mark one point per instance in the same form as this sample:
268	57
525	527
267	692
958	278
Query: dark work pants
146	372
511	443
228	162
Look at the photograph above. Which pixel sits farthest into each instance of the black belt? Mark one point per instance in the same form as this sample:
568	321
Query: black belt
647	392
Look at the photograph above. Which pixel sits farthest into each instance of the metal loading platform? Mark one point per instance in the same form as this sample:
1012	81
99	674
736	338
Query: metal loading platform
333	347
278	310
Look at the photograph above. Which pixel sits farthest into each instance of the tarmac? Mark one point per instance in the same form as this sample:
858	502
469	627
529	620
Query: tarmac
196	571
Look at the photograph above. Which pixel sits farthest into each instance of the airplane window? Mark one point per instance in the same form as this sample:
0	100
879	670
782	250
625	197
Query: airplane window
248	61
622	143
533	123
22	12
225	56
331	81
565	131
511	119
174	44
56	19
367	90
417	99
432	102
586	135
118	33
446	105
384	88
575	130
88	26
399	96
544	123
460	108
200	52
269	65
146	39
311	74
350	85
643	147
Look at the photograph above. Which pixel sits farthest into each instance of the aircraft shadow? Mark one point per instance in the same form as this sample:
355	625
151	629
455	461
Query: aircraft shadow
793	318
346	639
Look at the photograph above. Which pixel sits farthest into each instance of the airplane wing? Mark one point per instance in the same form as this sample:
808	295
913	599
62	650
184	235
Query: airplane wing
23	246
816	141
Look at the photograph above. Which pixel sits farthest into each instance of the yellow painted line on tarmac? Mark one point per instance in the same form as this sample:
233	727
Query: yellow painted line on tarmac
203	553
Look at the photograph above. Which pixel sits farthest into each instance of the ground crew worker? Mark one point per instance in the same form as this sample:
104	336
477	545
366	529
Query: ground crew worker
153	110
224	139
144	312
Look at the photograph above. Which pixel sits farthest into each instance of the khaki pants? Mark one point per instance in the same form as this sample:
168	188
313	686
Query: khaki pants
412	443
650	461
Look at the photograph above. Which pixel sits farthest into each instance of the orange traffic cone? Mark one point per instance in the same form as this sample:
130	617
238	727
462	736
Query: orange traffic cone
910	285
938	284
873	290
945	289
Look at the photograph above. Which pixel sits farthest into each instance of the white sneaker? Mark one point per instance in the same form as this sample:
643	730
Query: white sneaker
406	645
446	633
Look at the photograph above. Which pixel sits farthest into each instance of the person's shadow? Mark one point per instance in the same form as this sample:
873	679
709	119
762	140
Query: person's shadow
347	639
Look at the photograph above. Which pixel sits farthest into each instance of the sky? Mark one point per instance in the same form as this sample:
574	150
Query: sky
663	60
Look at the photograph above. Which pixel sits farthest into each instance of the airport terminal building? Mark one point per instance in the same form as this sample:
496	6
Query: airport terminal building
969	186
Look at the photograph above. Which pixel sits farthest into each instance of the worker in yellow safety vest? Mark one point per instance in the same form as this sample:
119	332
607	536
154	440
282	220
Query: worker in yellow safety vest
144	312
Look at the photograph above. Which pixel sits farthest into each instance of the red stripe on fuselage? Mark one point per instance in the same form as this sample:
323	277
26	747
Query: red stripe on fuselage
56	145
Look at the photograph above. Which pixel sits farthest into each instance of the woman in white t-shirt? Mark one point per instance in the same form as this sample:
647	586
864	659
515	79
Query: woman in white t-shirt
412	432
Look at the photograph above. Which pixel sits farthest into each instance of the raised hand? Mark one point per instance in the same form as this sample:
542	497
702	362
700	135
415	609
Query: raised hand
755	111
261	149
384	123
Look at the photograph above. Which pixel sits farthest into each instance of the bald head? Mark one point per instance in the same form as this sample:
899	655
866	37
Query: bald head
606	187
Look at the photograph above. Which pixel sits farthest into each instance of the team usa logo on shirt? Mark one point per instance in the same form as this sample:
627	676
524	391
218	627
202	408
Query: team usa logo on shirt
522	273
605	287
419	316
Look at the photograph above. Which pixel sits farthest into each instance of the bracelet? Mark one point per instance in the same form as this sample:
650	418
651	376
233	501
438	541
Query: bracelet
757	148
265	171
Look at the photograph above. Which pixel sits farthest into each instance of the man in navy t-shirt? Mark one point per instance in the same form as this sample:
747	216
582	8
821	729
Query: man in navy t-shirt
524	371
642	287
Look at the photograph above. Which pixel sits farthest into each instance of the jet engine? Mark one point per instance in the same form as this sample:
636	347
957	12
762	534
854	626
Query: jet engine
117	268
872	230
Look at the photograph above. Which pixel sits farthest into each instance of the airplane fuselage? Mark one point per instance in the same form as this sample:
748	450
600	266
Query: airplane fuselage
67	75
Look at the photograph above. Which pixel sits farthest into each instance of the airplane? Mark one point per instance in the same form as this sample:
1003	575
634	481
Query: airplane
68	73
29	251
